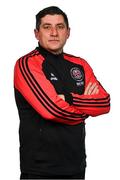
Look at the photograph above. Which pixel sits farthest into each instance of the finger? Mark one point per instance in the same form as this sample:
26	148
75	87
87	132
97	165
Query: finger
91	89
62	96
95	90
87	88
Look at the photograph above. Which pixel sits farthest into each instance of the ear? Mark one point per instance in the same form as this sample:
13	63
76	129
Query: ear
36	32
68	33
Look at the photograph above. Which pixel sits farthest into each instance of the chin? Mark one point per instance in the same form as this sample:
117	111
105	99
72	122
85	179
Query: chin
54	48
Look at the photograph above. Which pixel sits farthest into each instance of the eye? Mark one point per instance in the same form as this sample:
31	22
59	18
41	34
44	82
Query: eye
61	26
47	27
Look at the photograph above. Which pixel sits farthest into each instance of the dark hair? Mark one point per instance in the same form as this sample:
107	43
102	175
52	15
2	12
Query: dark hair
52	10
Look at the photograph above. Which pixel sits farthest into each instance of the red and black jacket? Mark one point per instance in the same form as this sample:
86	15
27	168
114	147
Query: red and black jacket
38	79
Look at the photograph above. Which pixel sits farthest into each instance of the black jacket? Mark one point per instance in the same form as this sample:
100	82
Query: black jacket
52	131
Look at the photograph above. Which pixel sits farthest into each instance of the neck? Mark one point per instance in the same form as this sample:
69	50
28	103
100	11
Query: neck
57	52
46	52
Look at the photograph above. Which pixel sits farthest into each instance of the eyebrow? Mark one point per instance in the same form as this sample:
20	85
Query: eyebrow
51	24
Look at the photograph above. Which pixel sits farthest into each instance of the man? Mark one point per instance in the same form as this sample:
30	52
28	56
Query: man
55	92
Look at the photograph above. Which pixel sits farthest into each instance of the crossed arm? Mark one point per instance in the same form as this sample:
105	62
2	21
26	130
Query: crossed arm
31	82
91	89
95	100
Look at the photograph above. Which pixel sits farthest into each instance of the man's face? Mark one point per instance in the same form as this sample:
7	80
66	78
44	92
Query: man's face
52	33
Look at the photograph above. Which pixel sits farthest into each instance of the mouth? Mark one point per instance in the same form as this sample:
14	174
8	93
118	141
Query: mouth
53	40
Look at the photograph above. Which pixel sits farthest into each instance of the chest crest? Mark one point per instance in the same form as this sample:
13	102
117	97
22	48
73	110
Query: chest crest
77	74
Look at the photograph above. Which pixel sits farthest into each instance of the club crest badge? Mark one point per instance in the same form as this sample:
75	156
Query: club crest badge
77	74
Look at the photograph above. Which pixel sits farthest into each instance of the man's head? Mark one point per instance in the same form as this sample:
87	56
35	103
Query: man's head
52	10
52	29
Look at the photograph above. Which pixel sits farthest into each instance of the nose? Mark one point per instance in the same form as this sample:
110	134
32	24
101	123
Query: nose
54	31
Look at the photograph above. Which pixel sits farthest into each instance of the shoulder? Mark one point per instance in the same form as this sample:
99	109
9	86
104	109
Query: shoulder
32	54
30	61
31	57
75	59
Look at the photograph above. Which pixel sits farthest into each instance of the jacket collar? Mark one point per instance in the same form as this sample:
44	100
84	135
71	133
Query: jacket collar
46	53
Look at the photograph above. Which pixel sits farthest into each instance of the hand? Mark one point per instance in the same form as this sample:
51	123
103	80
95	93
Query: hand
61	96
91	89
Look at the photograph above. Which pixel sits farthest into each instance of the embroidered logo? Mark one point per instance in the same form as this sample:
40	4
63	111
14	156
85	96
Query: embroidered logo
53	77
76	74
